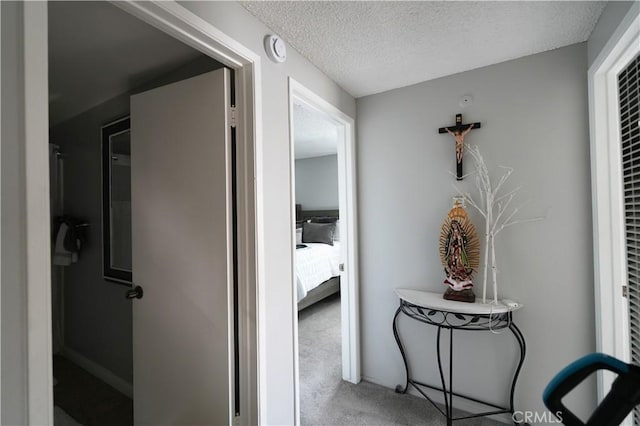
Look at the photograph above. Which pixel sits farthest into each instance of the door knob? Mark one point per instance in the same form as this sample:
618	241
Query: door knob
135	293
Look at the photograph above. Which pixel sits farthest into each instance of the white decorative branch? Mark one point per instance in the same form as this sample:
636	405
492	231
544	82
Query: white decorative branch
493	207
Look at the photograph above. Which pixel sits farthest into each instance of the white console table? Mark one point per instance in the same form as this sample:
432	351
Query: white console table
430	308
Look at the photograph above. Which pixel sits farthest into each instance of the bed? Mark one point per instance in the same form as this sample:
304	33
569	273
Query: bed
317	264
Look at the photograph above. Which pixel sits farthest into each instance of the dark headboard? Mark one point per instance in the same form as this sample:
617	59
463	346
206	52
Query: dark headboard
304	215
308	214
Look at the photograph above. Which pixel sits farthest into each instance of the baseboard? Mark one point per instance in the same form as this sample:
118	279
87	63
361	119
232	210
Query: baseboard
458	403
99	371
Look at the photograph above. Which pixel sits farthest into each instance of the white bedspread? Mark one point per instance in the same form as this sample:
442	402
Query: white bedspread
316	264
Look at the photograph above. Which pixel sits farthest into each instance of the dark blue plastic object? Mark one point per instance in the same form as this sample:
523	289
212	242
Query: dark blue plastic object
621	399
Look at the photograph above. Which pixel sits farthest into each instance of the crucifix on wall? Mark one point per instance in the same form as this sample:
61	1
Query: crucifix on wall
459	131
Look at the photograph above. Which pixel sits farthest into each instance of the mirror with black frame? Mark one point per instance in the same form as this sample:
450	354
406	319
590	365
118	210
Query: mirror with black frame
116	201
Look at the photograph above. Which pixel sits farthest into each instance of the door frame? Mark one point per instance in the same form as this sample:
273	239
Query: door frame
610	266
349	295
180	23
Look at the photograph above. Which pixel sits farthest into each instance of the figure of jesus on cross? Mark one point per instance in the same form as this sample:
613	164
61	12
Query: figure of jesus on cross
459	131
459	137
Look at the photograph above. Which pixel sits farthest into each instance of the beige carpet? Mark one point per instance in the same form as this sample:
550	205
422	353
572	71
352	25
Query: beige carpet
327	400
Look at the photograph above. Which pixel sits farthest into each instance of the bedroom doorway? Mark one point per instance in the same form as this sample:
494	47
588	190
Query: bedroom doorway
325	278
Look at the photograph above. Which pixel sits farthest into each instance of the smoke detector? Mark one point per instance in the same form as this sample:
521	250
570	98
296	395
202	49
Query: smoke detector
275	47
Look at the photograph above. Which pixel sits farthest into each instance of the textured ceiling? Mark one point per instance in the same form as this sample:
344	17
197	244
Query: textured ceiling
371	47
97	51
315	134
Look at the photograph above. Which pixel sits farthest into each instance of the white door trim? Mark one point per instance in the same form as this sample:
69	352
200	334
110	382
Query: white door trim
175	20
38	251
348	237
612	317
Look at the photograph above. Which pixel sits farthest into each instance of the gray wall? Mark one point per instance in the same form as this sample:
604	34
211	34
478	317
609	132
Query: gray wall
14	339
97	317
608	22
534	118
317	182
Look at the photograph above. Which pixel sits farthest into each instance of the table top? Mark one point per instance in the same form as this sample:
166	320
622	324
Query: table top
433	300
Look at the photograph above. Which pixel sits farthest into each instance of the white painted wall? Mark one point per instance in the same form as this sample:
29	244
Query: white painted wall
234	20
317	182
534	117
13	275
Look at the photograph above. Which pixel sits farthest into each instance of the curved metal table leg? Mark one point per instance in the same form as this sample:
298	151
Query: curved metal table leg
399	388
523	350
442	381
450	416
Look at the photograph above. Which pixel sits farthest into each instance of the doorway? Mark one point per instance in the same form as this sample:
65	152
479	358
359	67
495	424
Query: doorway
614	191
179	23
322	141
93	263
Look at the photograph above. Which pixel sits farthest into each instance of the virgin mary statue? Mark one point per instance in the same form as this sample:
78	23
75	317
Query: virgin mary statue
460	254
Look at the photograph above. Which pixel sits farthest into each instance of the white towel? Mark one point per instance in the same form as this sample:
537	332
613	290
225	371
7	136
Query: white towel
60	255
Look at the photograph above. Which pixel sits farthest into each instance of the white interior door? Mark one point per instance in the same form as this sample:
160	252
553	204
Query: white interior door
182	252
